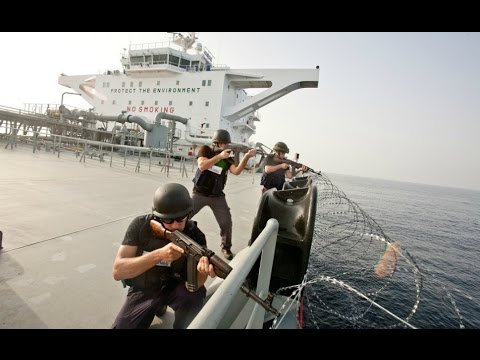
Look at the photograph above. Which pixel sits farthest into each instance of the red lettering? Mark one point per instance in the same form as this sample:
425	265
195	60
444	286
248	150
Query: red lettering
151	109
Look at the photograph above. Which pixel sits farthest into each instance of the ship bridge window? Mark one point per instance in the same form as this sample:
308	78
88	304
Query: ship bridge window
190	103
209	83
131	83
139	84
156	102
173	60
158	83
148	59
136	60
207	103
160	59
204	82
123	83
178	82
184	63
195	65
170	103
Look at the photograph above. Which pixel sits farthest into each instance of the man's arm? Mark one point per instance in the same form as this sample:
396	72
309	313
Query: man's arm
272	168
295	165
205	163
293	171
197	259
237	170
128	266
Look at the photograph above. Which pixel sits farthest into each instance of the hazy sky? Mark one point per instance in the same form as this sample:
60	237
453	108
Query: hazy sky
397	106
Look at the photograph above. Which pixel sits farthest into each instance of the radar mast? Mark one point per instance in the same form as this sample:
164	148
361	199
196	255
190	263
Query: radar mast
185	40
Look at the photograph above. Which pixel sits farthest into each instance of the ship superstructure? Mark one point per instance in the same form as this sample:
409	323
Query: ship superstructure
177	79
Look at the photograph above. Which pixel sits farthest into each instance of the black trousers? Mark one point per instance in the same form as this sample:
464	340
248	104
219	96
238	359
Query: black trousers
140	307
222	214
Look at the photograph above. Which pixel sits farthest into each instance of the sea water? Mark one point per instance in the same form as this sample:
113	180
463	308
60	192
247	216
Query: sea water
435	278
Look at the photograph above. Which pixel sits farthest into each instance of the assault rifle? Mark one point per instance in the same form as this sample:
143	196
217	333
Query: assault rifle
194	251
235	150
296	165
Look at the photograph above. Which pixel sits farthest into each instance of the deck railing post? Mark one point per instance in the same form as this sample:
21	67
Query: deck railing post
220	302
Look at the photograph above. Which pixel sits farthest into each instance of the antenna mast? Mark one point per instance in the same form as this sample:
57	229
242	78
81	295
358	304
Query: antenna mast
185	41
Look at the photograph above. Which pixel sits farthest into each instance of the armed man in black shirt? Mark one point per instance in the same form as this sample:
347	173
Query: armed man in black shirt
276	170
209	182
155	268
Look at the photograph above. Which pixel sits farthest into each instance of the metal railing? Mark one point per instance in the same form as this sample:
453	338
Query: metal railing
222	310
85	149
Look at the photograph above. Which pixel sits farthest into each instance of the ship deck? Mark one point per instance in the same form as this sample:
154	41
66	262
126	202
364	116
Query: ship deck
62	222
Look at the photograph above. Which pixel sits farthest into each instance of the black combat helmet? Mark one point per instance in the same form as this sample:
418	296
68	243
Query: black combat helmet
281	147
171	201
221	136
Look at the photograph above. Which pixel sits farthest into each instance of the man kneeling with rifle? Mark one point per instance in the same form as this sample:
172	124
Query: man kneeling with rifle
156	269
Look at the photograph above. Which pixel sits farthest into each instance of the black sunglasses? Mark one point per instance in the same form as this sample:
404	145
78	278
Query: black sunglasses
170	221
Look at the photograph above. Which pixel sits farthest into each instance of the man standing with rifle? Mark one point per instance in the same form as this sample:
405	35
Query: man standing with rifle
155	268
277	168
214	163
